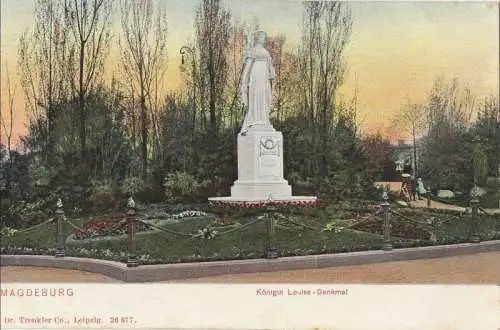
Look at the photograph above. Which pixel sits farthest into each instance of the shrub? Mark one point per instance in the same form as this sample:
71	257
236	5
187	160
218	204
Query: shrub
182	187
102	194
7	232
131	186
41	175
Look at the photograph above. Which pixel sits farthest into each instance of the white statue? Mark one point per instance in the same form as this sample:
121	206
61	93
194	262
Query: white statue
256	83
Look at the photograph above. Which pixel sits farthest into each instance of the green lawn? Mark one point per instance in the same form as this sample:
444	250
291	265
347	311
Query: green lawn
301	237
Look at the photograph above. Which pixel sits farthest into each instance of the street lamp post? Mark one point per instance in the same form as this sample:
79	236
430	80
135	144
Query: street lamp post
188	50
183	51
429	194
415	172
499	184
399	168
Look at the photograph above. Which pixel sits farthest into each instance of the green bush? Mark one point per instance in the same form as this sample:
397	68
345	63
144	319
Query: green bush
131	186
102	194
41	175
183	187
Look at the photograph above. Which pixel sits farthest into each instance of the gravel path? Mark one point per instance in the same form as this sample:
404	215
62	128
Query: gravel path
396	187
443	206
482	268
436	205
51	275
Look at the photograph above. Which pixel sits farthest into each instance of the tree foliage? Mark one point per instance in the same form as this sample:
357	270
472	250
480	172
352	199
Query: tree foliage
94	140
144	62
89	23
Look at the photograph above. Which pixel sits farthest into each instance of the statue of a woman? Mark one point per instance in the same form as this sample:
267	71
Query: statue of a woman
256	83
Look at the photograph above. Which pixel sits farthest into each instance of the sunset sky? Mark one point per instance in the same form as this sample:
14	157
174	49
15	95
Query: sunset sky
396	49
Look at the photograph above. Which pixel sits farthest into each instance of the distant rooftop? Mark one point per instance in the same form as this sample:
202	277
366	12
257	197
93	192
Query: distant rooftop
403	142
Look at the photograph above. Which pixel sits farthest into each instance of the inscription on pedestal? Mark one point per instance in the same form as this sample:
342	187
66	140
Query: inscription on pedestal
269	158
269	167
269	146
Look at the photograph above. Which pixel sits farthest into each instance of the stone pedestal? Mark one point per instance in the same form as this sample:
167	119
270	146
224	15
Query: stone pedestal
260	165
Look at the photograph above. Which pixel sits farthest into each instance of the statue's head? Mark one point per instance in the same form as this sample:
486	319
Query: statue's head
260	38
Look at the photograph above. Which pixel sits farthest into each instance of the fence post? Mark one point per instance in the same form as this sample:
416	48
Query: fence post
429	194
387	246
272	252
131	257
474	203
60	251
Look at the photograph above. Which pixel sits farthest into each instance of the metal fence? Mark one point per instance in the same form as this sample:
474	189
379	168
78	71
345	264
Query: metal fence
271	216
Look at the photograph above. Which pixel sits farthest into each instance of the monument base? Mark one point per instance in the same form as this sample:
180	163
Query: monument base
230	199
261	190
260	170
260	165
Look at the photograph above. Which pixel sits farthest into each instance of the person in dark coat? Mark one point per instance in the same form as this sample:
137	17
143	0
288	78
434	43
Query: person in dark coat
413	188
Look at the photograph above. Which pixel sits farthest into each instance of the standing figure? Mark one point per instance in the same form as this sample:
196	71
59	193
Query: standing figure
413	190
420	189
256	83
405	192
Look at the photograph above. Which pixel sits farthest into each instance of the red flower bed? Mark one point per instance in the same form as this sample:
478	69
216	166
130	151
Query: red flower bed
113	225
264	204
374	207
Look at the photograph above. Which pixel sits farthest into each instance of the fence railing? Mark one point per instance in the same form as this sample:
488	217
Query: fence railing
271	216
474	225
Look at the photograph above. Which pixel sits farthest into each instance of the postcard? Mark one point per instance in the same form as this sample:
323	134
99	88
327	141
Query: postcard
266	164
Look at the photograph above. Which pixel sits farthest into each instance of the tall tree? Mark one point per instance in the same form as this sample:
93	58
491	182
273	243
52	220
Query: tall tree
448	110
412	120
144	58
479	161
43	55
326	31
378	153
276	49
449	107
7	120
212	27
235	62
88	21
487	127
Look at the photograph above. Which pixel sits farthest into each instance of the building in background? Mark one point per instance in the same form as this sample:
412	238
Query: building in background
406	156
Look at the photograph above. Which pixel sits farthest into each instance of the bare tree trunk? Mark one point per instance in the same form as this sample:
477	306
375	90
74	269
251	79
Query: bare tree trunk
45	85
326	31
212	36
144	135
8	127
81	103
89	23
144	59
415	162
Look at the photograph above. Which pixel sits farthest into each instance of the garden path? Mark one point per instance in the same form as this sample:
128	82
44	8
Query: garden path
438	205
396	186
51	275
481	268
